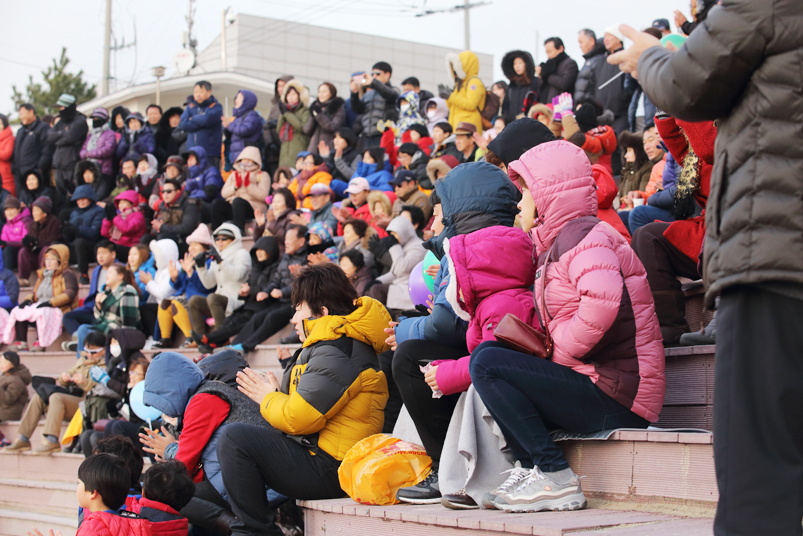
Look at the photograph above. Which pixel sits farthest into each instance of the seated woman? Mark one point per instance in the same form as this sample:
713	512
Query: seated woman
607	367
332	395
125	366
244	192
42	230
140	262
320	244
353	265
116	306
55	293
204	183
375	169
157	283
14	380
34	188
124	224
278	217
282	178
186	284
356	234
314	172
342	161
14	230
327	115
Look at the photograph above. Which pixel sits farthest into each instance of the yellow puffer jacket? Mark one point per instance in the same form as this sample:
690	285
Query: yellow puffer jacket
468	98
333	394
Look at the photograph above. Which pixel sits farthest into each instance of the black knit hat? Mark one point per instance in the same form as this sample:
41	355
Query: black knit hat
383	66
421	129
12	357
409	148
518	137
586	117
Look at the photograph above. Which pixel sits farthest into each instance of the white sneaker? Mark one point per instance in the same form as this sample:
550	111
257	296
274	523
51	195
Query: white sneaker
517	474
539	491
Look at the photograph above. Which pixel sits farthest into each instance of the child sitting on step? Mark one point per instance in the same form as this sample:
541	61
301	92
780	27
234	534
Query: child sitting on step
166	489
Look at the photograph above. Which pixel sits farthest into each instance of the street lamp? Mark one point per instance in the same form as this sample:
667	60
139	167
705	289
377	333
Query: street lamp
158	72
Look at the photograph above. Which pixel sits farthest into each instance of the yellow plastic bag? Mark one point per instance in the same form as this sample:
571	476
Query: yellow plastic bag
74	429
379	466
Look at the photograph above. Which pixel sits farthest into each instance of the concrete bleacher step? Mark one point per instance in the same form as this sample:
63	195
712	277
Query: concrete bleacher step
16	522
689	398
45	495
9	429
343	516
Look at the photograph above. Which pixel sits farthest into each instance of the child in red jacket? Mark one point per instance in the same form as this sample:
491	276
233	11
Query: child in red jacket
166	489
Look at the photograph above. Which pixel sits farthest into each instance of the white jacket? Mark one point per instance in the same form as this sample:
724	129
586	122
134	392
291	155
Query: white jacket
229	275
406	255
159	287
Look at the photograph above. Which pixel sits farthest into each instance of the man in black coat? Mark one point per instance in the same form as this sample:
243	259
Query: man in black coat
741	68
67	137
593	50
30	146
558	73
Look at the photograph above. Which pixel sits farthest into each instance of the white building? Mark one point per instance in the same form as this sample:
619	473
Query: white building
259	50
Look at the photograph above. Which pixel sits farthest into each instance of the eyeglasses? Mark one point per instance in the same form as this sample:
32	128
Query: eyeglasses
168	191
376	73
223	239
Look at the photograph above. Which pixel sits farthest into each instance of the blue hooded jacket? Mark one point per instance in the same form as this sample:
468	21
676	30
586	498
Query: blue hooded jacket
246	129
473	196
378	180
665	199
9	287
202	124
205	181
137	143
87	221
172	379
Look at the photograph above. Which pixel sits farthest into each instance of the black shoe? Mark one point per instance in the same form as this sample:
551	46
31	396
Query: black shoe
459	501
290	339
205	349
84	279
198	337
425	492
161	343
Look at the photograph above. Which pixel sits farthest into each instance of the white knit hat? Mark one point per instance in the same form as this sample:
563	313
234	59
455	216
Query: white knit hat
613	29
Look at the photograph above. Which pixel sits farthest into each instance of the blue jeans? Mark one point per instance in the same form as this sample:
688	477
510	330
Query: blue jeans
75	319
641	216
530	397
81	332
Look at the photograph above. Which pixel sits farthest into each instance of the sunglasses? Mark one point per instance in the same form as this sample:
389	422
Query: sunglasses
169	191
376	73
223	239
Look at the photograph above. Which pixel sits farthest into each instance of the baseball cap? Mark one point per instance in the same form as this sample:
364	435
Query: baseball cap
320	189
661	24
404	175
357	185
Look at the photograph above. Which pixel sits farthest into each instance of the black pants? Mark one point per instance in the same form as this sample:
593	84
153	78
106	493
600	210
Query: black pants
664	263
238	212
263	325
530	397
207	509
10	257
394	404
81	253
758	426
231	326
21	330
148	313
73	320
430	415
124	428
253	458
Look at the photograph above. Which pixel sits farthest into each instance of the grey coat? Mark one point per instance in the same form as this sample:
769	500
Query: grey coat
742	65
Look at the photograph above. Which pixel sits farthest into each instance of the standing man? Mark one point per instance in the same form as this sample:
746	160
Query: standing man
202	122
377	103
153	114
67	137
593	50
736	68
30	146
612	92
411	83
559	73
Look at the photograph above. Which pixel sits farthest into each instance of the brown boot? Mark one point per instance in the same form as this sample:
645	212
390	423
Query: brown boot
670	306
18	446
47	448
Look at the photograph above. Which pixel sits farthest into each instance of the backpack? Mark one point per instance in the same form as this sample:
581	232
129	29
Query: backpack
223	367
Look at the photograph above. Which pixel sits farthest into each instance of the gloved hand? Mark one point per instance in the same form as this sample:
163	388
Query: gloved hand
29	242
99	375
111	211
200	259
282	107
562	105
24	303
44	304
377	247
316	108
390	241
215	255
443	91
68	231
271	125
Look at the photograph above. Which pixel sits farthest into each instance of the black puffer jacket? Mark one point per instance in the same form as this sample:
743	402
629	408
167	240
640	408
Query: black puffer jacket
585	87
31	150
518	89
614	96
68	136
283	278
558	75
740	67
374	106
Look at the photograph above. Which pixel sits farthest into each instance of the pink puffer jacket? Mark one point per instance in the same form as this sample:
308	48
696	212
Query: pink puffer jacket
603	316
493	269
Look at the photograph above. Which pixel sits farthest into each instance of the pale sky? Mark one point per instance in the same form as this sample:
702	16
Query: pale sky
35	30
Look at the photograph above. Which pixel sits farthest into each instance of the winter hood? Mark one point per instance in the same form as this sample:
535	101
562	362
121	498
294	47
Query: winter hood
507	65
268	244
366	324
251	153
404	228
484	263
303	92
164	251
236	244
81	167
441	111
560	180
249	103
473	196
63	253
464	65
129	195
200	156
84	191
170	382
130	341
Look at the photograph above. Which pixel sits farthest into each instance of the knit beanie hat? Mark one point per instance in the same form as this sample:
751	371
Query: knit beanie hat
586	117
100	113
45	204
200	235
65	100
11	202
519	137
12	357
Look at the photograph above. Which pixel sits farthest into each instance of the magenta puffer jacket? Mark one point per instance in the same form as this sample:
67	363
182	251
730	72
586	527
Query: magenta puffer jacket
603	316
492	271
15	230
126	229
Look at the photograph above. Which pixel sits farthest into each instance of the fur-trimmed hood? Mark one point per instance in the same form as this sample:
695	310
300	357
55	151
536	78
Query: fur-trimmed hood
507	65
331	107
464	65
80	169
303	92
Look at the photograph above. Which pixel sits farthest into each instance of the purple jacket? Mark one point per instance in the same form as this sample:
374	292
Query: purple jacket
15	230
105	143
246	129
204	181
492	271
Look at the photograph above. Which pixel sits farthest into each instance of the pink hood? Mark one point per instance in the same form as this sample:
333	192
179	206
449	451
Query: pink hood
559	177
493	269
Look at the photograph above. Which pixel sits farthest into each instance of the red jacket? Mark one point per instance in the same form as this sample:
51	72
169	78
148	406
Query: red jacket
363	213
6	154
113	524
204	414
164	521
606	193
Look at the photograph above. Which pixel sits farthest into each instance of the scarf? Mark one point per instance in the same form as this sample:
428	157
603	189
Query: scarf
286	132
304	176
92	142
46	286
550	66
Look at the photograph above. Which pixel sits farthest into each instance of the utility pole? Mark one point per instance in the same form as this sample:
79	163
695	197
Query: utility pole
466	7
223	42
191	42
107	49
